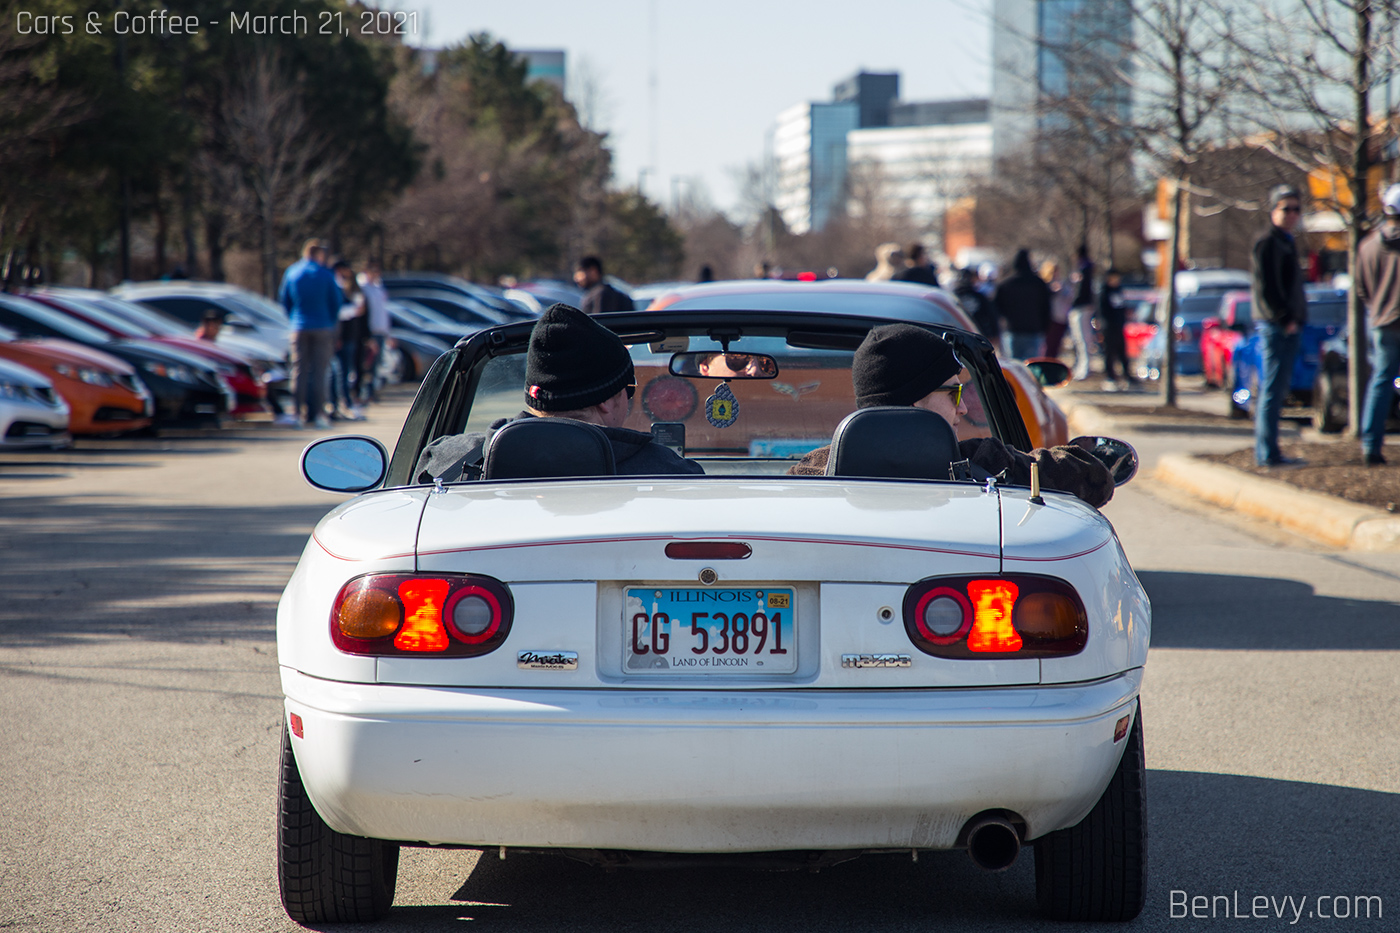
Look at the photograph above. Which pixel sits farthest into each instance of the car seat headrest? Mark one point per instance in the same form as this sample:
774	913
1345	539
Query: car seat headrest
893	442
544	447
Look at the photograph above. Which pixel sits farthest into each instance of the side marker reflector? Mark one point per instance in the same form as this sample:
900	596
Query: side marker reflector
296	725
1121	729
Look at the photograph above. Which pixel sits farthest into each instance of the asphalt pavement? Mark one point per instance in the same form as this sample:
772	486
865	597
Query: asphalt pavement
138	680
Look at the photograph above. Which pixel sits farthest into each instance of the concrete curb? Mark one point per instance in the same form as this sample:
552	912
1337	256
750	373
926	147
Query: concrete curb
1314	515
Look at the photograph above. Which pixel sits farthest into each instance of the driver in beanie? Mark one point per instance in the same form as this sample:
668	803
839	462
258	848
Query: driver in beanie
901	364
574	368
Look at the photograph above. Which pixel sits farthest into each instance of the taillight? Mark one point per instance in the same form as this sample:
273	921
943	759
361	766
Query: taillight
444	615
1019	615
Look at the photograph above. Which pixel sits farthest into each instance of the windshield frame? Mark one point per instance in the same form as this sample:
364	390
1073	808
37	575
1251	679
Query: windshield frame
441	406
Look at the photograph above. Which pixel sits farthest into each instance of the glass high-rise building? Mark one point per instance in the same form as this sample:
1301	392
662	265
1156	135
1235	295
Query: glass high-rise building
1030	62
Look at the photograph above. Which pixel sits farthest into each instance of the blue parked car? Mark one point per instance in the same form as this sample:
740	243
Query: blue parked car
1327	317
1192	311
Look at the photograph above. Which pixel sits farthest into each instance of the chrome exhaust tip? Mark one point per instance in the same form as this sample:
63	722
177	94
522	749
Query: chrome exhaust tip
993	843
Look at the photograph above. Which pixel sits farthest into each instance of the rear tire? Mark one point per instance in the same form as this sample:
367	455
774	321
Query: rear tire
1097	870
325	876
1330	414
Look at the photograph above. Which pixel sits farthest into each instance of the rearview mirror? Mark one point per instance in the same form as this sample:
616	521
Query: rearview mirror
351	463
1119	456
1050	373
715	365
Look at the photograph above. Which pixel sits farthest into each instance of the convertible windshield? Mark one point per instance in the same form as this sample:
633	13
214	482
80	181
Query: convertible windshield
734	425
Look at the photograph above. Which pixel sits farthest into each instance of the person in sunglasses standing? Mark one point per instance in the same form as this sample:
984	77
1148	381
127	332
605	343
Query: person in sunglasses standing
575	368
1280	309
901	364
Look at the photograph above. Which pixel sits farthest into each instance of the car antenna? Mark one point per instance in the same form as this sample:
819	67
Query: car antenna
1035	484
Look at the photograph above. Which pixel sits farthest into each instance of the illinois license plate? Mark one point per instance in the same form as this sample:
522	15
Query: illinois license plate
710	630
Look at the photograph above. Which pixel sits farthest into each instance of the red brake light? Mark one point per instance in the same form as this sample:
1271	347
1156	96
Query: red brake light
806	276
992	602
708	550
1017	615
443	615
422	626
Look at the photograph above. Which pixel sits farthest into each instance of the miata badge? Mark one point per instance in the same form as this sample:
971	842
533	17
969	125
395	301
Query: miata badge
722	408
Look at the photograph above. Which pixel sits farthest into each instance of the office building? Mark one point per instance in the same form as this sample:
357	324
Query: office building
914	157
872	93
545	65
809	162
1028	64
921	168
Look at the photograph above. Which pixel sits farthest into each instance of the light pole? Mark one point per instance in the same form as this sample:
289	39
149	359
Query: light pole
676	182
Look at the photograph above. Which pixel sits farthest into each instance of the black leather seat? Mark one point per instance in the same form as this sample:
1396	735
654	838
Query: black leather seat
893	442
543	447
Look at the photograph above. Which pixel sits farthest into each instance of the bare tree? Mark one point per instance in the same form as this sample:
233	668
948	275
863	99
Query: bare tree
285	168
1155	75
33	112
1310	91
588	94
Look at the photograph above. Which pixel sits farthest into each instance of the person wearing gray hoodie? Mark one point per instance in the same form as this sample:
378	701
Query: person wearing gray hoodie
1378	287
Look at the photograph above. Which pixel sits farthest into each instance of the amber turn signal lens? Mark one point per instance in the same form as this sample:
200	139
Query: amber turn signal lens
1046	615
370	613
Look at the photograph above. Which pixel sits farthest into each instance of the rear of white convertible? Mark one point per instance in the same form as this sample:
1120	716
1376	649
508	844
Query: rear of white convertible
819	667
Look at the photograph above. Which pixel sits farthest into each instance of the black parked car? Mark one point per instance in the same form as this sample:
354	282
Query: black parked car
186	387
1332	394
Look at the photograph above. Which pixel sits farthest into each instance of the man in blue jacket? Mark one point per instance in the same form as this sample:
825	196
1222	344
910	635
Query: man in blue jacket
312	298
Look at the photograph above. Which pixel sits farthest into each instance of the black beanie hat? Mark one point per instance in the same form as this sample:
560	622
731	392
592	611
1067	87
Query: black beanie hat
573	362
898	364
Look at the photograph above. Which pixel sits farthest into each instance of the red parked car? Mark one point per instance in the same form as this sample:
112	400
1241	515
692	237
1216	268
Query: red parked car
247	383
1221	335
1141	321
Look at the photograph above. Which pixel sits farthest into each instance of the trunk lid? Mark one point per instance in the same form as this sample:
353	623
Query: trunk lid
843	552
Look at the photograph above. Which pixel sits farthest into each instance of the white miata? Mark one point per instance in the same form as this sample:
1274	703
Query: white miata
550	656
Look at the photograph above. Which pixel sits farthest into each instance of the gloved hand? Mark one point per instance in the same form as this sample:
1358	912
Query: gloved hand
1075	470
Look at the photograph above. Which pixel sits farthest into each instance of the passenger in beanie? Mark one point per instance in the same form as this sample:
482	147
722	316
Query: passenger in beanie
901	364
575	368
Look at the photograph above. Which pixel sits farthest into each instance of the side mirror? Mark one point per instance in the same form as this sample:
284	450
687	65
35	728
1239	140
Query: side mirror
716	365
1119	456
350	463
1050	373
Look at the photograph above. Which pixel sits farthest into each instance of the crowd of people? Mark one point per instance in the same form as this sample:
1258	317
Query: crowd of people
340	331
1032	312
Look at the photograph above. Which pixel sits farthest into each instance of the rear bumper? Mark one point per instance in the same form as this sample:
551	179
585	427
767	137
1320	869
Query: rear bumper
702	771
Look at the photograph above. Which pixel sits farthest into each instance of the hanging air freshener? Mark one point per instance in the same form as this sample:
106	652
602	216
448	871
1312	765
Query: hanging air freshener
722	408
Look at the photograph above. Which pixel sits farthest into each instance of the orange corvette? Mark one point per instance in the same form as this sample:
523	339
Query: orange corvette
102	392
1045	421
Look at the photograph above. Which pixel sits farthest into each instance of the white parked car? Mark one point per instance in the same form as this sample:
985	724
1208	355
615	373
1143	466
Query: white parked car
551	657
32	414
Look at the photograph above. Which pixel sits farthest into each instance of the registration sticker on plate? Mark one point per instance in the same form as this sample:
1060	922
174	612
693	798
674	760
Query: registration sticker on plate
710	630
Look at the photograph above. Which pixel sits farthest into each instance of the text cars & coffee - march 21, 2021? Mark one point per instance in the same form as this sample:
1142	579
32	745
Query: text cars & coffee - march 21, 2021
162	22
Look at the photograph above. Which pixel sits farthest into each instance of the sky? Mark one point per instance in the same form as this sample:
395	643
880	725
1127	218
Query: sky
724	68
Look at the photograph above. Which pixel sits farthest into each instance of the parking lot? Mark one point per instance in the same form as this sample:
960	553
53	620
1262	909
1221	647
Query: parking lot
139	682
